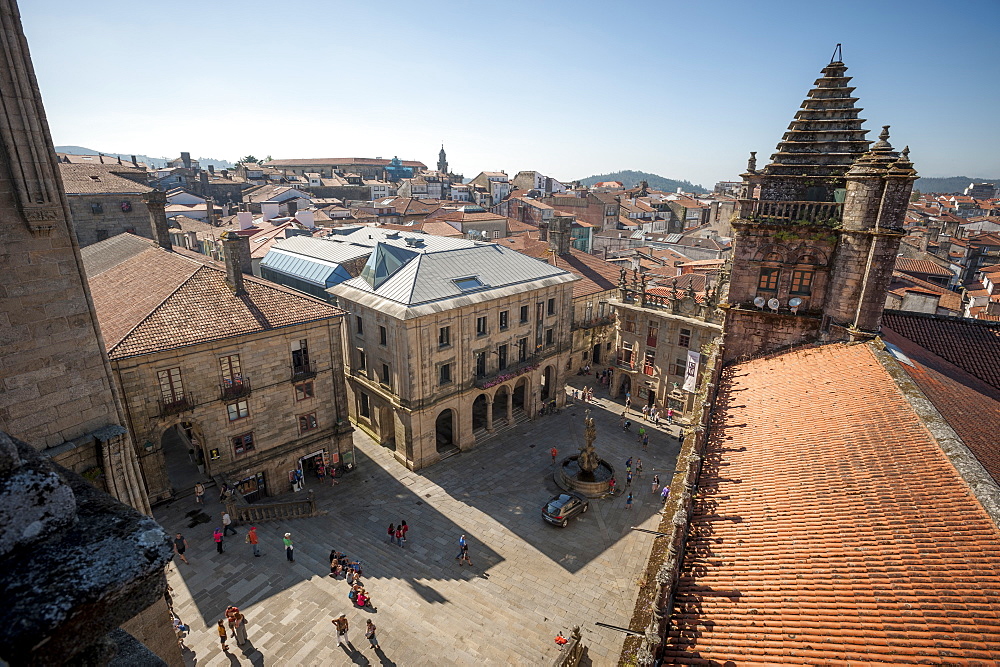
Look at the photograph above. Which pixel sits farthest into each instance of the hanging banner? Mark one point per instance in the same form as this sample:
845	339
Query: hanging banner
691	372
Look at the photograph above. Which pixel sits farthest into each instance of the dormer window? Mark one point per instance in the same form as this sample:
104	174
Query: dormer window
468	284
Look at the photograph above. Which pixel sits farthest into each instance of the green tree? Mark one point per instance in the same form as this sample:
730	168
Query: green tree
245	159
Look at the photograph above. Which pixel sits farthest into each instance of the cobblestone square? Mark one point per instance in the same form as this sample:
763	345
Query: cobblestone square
530	580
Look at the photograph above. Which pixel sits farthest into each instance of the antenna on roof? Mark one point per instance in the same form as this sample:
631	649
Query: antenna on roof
838	55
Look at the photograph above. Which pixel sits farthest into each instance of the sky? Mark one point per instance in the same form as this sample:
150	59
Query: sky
570	89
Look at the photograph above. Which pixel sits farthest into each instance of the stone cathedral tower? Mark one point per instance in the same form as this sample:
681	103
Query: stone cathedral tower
817	229
442	161
56	387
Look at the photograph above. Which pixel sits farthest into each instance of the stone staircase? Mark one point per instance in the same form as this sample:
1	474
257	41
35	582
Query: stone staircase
501	426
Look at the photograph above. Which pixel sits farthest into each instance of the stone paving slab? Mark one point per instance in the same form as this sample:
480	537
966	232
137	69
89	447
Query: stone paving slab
530	580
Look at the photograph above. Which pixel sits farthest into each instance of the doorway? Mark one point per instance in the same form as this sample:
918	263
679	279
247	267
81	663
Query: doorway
444	429
500	405
547	383
184	457
595	354
479	412
519	390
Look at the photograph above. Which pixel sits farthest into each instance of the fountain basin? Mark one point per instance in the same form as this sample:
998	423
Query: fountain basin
569	476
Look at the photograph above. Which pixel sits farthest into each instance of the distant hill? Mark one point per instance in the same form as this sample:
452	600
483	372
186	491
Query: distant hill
951	184
632	178
150	161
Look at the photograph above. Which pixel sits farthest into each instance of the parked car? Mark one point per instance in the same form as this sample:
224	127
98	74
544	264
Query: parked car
564	507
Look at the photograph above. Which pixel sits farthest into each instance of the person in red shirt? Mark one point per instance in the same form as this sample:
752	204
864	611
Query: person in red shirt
561	641
554	452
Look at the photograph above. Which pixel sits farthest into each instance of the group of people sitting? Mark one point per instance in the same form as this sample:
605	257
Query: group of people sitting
341	564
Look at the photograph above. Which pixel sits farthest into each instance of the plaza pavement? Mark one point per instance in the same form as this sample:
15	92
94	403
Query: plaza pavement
530	580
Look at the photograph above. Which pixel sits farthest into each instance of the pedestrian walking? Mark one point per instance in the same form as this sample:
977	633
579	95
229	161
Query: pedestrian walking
404	528
585	394
289	547
628	463
222	636
199	493
628	482
252	540
621	419
370	634
462	544
670	416
561	641
399	535
554	452
645	412
628	403
645	442
227	524
656	483
665	494
321	473
576	394
642	432
590	395
180	546
628	501
392	531
638	467
342	627
217	536
224	493
653	414
465	556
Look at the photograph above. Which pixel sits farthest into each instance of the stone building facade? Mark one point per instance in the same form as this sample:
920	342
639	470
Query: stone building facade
105	200
657	330
75	564
448	338
817	229
246	375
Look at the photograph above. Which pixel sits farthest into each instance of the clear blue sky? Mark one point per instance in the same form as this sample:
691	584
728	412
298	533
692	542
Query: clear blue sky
682	89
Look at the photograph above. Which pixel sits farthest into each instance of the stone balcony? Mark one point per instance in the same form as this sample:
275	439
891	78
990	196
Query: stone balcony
791	212
594	322
231	389
510	371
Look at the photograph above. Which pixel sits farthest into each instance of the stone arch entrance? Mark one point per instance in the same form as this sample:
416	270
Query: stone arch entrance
479	412
520	390
186	461
626	385
547	377
500	400
595	355
444	429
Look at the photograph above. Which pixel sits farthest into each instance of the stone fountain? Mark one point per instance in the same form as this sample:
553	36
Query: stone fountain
586	473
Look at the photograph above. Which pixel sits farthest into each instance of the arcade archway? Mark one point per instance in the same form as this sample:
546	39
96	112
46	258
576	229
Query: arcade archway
479	412
444	429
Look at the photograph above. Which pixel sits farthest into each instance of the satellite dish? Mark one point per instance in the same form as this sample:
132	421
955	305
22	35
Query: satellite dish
794	304
773	304
759	302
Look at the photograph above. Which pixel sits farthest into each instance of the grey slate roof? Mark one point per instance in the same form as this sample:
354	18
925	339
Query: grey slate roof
426	280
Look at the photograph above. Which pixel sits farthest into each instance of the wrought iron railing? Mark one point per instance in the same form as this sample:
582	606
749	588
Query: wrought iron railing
181	403
233	388
791	212
594	322
511	371
303	371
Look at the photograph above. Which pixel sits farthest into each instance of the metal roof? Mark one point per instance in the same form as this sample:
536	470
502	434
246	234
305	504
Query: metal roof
315	271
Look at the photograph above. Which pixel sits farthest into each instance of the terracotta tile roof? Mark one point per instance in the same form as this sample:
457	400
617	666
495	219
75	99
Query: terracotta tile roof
907	265
596	275
971	407
971	345
830	528
350	161
156	301
92	179
947	299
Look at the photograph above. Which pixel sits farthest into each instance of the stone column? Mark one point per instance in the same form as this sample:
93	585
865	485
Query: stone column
510	406
489	414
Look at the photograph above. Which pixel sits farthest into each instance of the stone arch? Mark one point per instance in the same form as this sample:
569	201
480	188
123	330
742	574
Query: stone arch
500	399
811	255
770	253
479	411
183	457
548	377
444	430
625	384
520	393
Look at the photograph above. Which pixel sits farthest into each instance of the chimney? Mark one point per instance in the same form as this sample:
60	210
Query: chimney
156	202
245	218
211	169
203	182
269	209
100	156
225	173
232	251
307	218
186	159
292	207
134	161
559	234
209	209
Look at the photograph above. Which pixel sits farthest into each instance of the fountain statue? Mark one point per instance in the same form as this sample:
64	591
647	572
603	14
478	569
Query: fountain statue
586	472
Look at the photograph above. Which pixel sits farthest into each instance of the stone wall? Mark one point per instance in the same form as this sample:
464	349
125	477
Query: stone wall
92	227
756	332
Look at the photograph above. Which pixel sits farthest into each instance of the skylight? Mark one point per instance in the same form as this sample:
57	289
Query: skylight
470	283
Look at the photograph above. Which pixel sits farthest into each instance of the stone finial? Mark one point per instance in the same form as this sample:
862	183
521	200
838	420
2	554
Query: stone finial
752	162
906	152
883	140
